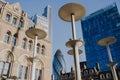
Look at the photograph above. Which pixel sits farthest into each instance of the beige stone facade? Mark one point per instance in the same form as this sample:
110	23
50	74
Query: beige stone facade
16	48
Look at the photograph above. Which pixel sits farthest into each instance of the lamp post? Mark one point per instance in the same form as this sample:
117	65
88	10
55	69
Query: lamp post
72	12
106	42
35	33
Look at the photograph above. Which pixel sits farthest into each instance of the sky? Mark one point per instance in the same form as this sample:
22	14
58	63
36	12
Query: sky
61	30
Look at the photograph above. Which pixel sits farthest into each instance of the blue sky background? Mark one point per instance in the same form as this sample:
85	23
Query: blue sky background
61	29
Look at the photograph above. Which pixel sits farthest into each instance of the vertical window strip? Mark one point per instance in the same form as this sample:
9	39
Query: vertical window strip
19	71
29	45
23	44
22	72
36	70
1	68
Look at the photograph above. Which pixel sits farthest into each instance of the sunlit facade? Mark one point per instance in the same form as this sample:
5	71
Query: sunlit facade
58	64
103	23
16	49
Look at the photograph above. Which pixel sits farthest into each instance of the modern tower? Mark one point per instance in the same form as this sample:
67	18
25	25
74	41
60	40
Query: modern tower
100	24
58	64
45	20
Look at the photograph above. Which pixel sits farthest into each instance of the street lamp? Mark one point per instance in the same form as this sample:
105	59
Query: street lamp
106	42
35	33
72	12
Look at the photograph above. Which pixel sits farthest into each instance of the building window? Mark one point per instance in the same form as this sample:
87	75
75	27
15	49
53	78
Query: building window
22	72
30	43
91	71
24	43
102	76
7	17
14	21
38	74
4	68
108	76
14	40
7	37
20	25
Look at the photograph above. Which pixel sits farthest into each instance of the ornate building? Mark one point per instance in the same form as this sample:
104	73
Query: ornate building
16	48
86	73
58	64
90	73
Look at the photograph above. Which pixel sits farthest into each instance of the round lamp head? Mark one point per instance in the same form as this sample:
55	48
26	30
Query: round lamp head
32	32
67	10
107	41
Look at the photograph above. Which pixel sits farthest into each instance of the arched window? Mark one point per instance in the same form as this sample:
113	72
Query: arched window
24	41
38	48
108	76
7	17
5	66
102	76
14	38
91	71
7	37
30	43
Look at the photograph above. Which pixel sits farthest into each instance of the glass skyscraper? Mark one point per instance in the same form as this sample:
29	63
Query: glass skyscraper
58	64
103	23
45	21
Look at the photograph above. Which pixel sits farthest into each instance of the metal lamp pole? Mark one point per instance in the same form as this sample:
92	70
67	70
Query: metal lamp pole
106	42
72	12
35	33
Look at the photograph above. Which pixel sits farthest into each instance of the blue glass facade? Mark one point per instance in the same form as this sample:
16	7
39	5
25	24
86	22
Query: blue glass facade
101	24
58	64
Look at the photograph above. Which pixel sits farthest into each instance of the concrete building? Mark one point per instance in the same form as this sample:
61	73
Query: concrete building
16	48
